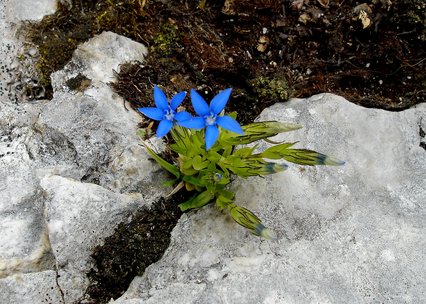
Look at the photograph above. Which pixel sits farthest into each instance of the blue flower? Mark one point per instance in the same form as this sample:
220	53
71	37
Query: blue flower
164	112
208	116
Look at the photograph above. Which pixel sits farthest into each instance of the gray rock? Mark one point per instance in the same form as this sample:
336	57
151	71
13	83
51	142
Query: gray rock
351	234
79	216
29	10
12	12
97	58
71	169
39	287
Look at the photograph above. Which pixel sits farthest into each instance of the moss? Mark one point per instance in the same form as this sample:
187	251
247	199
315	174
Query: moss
271	88
166	40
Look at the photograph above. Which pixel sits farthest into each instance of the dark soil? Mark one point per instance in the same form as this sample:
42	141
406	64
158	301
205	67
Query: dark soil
266	50
133	247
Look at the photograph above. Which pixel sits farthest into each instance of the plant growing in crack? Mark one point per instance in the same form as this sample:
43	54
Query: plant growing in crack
212	147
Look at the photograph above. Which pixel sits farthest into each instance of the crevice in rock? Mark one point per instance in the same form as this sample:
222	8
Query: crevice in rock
132	248
51	253
92	176
422	134
58	285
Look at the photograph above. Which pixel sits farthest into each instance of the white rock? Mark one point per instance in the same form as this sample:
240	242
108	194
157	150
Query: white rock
52	215
11	13
347	234
79	217
28	288
29	10
350	234
98	58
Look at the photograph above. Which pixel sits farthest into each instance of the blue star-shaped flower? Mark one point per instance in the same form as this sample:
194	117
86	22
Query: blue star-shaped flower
208	116
164	112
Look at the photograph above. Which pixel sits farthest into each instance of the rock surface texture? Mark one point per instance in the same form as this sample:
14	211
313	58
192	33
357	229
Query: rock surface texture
71	169
351	234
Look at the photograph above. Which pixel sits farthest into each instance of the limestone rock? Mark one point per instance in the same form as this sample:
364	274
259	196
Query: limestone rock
79	216
39	287
71	169
30	10
97	58
350	234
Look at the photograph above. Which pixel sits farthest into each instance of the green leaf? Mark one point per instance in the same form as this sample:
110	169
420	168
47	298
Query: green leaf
197	201
222	202
189	171
198	163
163	163
244	152
176	148
180	136
193	180
169	183
213	156
224	198
186	165
227	194
185	162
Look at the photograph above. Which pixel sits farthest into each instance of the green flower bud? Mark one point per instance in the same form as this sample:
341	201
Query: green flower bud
249	220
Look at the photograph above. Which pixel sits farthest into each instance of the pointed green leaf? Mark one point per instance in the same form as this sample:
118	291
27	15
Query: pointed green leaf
169	183
213	156
198	201
227	194
163	163
181	138
244	152
222	202
193	180
198	163
189	171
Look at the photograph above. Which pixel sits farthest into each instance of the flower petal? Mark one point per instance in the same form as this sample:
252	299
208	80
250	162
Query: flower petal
230	124
177	100
164	127
160	99
218	102
183	115
212	133
200	105
193	123
153	113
